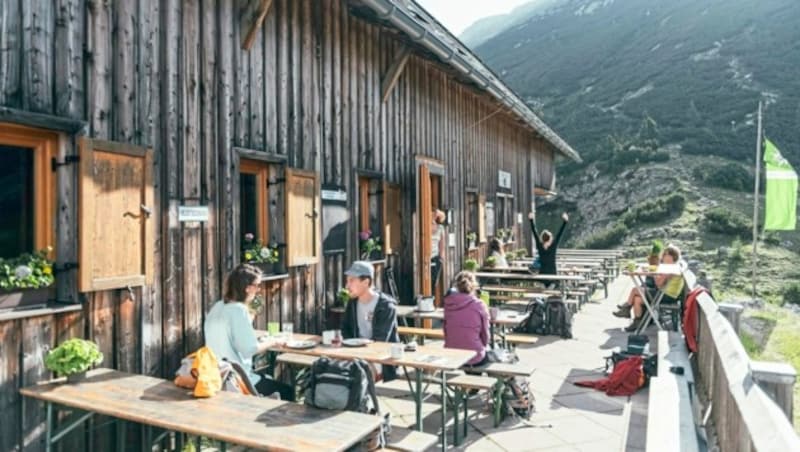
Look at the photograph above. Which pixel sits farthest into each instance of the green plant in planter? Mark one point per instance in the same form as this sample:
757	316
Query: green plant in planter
343	296
470	265
472	237
511	255
72	357
254	251
27	271
256	305
521	253
490	261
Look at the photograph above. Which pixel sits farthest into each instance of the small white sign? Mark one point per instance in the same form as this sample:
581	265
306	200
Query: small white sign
192	213
519	217
334	195
504	179
451	239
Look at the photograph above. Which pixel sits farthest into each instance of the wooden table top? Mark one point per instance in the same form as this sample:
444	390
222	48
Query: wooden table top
426	357
528	277
505	317
256	422
663	269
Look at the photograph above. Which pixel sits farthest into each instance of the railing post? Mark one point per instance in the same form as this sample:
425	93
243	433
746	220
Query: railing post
732	312
777	380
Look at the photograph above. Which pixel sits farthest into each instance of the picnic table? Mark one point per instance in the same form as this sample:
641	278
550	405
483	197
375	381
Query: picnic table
228	417
651	302
505	318
425	359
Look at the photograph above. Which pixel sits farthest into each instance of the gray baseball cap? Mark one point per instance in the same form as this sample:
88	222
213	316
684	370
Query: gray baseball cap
362	269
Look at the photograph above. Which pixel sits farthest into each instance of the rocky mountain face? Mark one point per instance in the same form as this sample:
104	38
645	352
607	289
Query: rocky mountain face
658	96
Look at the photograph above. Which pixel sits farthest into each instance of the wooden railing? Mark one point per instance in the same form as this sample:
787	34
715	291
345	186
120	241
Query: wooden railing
745	418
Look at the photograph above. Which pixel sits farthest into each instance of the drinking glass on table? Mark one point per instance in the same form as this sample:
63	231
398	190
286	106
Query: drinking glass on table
288	329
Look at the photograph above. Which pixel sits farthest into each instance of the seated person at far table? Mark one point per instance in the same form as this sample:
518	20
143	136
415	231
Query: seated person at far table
496	251
466	320
672	287
229	329
370	314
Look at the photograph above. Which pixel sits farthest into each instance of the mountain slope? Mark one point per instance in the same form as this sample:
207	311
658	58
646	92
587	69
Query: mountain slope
595	69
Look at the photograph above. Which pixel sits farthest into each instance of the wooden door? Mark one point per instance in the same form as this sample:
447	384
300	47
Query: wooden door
424	215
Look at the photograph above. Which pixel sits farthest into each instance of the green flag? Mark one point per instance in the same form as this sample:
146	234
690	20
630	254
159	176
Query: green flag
781	196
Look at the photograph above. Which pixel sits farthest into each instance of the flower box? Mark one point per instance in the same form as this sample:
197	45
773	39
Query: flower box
19	299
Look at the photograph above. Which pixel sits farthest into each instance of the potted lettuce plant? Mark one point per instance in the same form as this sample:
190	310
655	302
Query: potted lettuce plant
73	358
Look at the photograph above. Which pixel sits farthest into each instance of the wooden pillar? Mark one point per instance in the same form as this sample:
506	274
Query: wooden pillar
777	380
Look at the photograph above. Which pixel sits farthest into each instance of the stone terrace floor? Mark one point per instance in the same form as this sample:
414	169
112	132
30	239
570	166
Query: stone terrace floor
567	417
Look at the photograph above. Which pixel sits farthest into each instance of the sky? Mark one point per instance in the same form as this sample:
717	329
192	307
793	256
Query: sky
457	15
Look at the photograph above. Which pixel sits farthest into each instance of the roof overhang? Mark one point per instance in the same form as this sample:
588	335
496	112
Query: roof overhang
422	28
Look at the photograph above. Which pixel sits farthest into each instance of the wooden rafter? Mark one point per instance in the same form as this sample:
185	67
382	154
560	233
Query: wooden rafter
252	17
393	74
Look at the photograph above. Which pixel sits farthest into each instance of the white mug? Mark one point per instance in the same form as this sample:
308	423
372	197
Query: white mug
397	351
327	337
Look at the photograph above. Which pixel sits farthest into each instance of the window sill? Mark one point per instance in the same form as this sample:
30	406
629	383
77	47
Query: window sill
377	261
472	248
50	309
271	278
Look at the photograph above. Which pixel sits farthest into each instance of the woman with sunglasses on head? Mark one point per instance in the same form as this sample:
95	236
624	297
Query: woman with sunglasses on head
229	329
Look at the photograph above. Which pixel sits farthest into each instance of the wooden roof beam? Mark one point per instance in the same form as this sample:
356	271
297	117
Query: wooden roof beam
252	17
395	69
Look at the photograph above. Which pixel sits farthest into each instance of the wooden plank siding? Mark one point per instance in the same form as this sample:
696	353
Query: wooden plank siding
171	75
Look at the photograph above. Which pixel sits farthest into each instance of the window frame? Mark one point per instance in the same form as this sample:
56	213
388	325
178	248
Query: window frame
44	144
370	186
260	169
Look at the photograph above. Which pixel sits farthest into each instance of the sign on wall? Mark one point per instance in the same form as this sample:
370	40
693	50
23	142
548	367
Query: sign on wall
504	179
192	213
489	219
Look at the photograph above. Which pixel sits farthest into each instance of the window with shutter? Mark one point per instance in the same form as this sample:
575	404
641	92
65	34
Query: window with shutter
302	214
370	215
116	217
392	205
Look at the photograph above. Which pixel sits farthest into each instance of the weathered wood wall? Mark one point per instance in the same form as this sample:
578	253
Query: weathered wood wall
171	75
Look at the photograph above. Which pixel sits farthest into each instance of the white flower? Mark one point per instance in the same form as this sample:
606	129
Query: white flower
265	253
22	272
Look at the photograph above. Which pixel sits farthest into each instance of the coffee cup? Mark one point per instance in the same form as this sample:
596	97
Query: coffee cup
327	337
397	351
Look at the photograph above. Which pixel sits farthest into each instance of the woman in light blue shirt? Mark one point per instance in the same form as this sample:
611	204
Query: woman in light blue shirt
229	329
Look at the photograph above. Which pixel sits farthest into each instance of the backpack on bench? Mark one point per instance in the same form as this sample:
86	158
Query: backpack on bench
346	385
537	320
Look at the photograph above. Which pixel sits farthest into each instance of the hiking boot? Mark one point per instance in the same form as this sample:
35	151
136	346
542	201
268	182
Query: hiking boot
623	311
634	325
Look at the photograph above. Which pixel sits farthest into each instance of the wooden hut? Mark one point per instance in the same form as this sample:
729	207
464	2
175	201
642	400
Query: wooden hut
143	139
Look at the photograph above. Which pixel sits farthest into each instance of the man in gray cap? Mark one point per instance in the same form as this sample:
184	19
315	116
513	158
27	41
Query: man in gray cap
370	314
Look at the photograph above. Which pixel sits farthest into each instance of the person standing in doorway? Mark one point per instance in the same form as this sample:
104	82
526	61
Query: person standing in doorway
546	246
437	247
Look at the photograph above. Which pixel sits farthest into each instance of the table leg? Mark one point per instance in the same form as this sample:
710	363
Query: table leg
498	401
444	410
491	334
418	397
456	408
121	430
48	445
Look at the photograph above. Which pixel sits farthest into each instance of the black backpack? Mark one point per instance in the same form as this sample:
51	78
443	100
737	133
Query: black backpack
559	318
346	385
537	321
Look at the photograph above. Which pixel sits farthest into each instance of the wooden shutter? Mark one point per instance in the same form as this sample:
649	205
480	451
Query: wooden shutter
363	204
425	219
482	218
302	211
116	227
392	228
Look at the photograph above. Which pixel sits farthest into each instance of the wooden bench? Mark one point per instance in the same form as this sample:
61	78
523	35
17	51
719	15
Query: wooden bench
460	386
421	333
518	338
405	440
670	417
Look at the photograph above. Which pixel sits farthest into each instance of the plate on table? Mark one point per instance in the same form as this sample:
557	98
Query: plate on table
301	345
356	342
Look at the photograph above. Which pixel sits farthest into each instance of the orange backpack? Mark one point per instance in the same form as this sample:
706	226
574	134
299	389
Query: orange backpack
200	371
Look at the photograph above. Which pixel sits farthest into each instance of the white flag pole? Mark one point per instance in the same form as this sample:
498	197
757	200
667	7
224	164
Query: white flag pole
755	197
